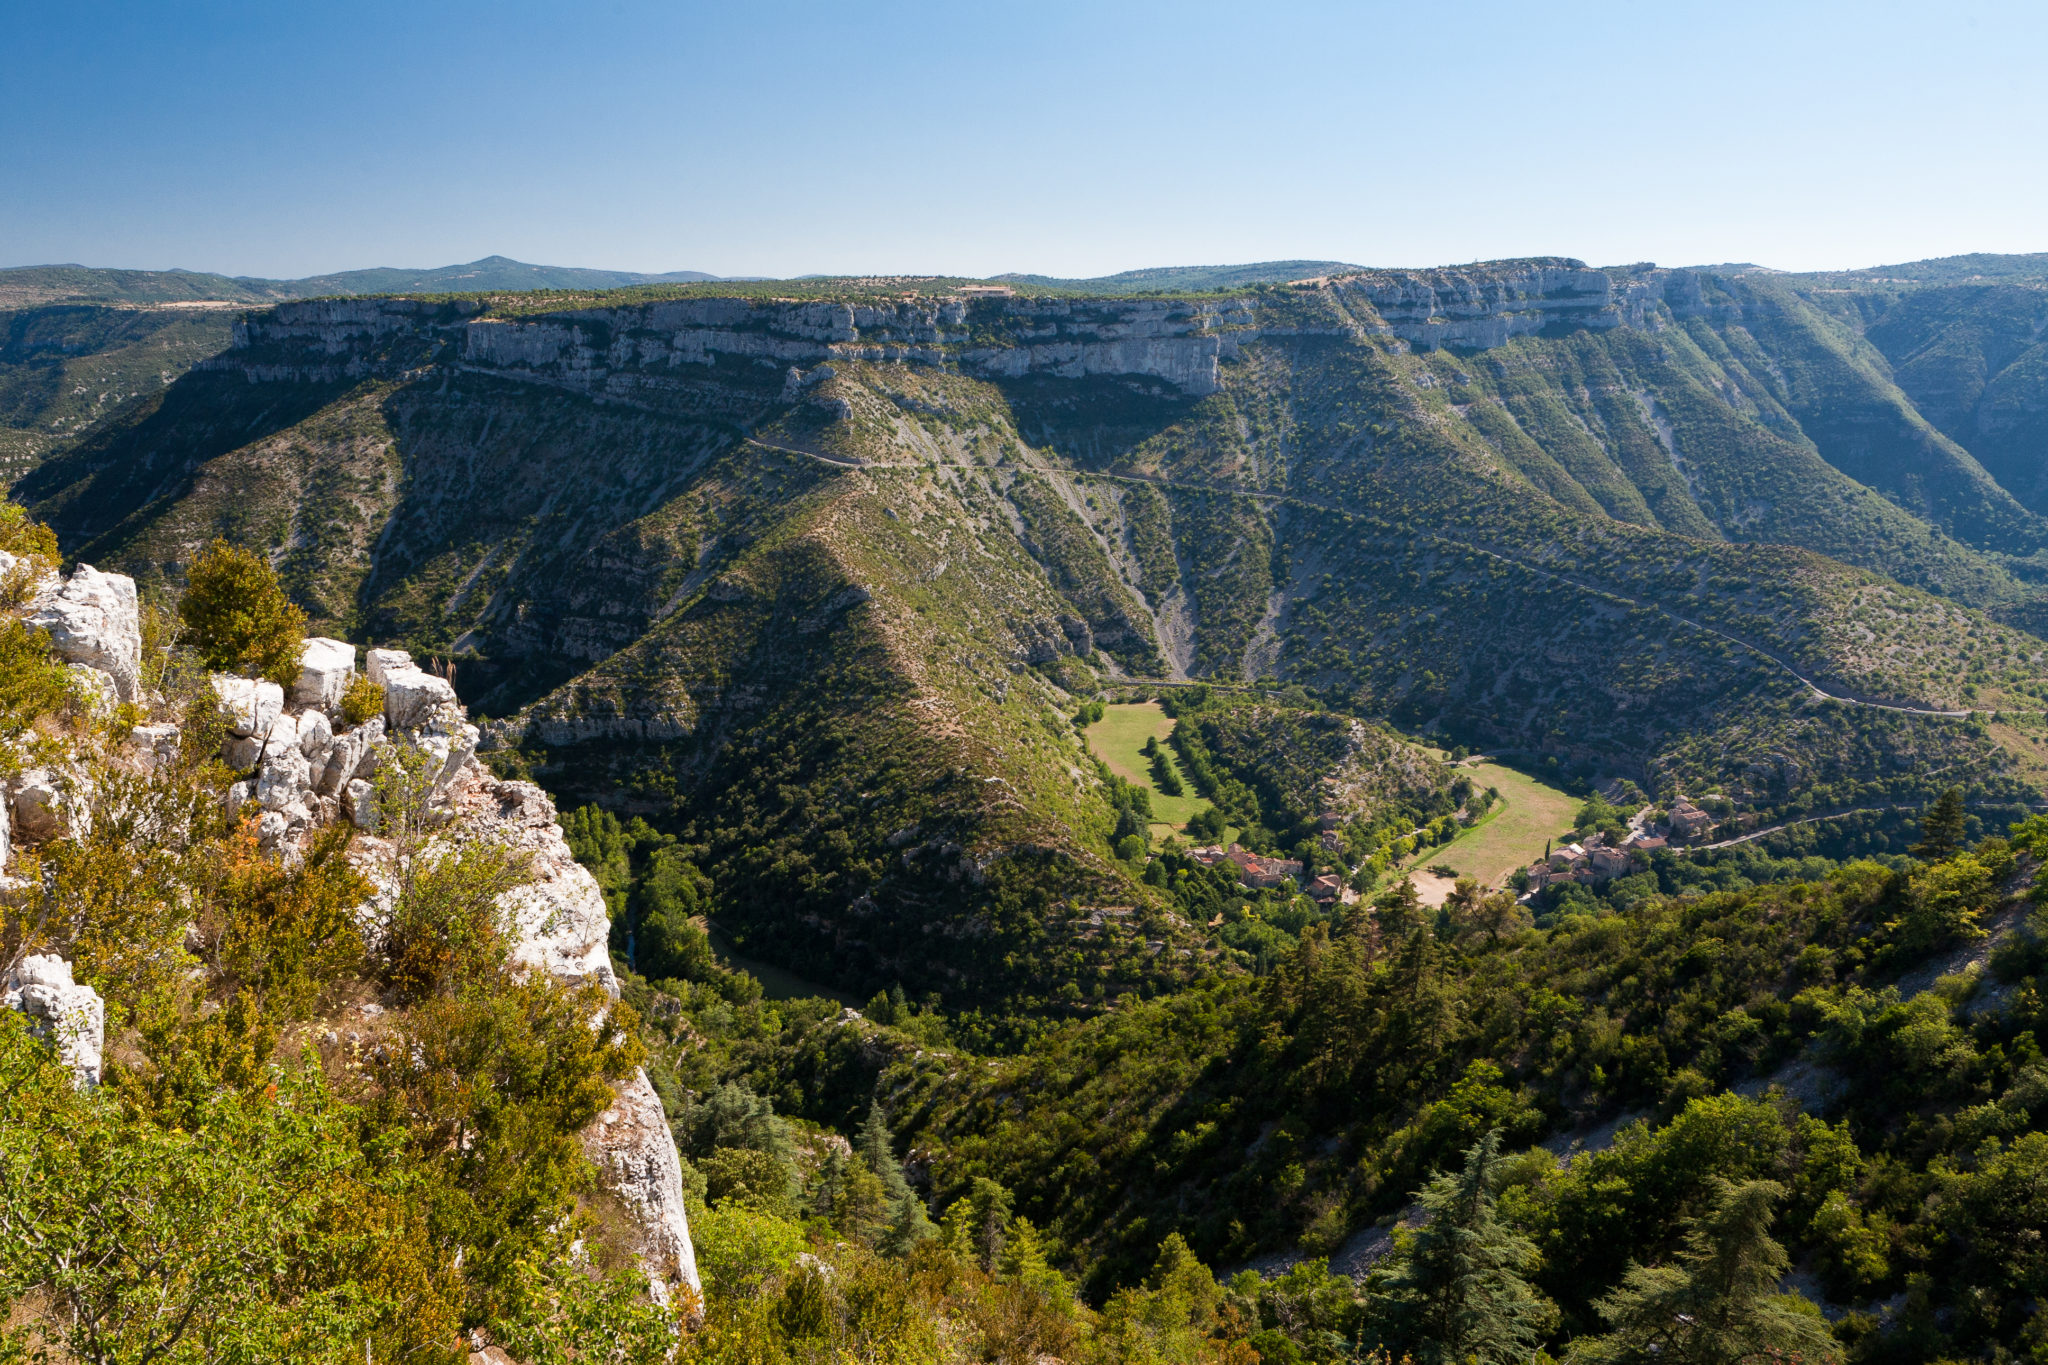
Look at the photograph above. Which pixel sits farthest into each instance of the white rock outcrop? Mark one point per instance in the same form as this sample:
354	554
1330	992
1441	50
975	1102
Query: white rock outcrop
635	1154
284	778
93	620
559	916
252	705
563	927
414	698
306	774
38	806
359	804
240	752
70	1016
347	756
316	736
283	734
378	662
153	746
324	672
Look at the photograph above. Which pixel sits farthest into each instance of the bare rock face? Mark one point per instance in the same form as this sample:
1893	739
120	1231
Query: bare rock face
240	752
284	734
562	927
307	775
346	757
38	806
284	778
559	917
378	662
324	672
414	698
635	1154
92	619
359	804
448	746
71	1017
153	746
316	734
252	705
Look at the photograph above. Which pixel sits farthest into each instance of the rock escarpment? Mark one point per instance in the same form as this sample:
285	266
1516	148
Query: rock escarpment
1486	306
636	1156
305	768
661	353
695	353
557	918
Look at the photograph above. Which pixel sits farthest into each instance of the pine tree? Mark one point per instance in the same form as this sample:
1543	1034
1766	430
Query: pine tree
1456	1292
1941	828
875	1151
977	1226
1023	1262
910	1225
1720	1305
860	1206
830	1177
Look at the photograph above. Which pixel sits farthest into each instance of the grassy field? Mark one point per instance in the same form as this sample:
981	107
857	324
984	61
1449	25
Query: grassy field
1530	815
1118	739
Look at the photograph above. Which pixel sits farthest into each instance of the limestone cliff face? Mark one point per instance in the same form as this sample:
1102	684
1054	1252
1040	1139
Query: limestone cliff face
661	353
309	769
1484	306
656	353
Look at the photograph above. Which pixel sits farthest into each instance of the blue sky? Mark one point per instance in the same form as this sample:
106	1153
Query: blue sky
291	139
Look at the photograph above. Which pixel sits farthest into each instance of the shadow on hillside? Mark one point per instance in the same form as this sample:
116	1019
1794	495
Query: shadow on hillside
1094	421
151	449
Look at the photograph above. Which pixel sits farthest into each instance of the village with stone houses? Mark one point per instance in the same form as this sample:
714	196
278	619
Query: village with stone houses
1597	859
1593	859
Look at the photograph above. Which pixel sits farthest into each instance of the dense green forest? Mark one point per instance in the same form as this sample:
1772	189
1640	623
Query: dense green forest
1838	1078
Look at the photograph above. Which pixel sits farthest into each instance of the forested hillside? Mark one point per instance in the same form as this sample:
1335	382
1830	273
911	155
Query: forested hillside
810	585
800	599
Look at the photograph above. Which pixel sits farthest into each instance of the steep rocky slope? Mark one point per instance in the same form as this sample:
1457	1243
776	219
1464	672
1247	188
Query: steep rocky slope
806	580
307	770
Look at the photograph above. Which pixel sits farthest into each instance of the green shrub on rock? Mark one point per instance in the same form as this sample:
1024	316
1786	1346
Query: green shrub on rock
361	701
240	619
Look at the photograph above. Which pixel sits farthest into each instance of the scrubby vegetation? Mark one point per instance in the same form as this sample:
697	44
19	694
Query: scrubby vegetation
238	616
268	1171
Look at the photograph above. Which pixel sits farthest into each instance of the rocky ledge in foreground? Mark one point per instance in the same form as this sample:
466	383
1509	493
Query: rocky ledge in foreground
305	768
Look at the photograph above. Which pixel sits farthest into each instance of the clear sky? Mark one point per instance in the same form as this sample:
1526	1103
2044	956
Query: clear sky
287	139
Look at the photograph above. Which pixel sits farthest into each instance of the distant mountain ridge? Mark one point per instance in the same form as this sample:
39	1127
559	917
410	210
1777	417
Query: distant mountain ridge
1186	277
40	285
28	286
